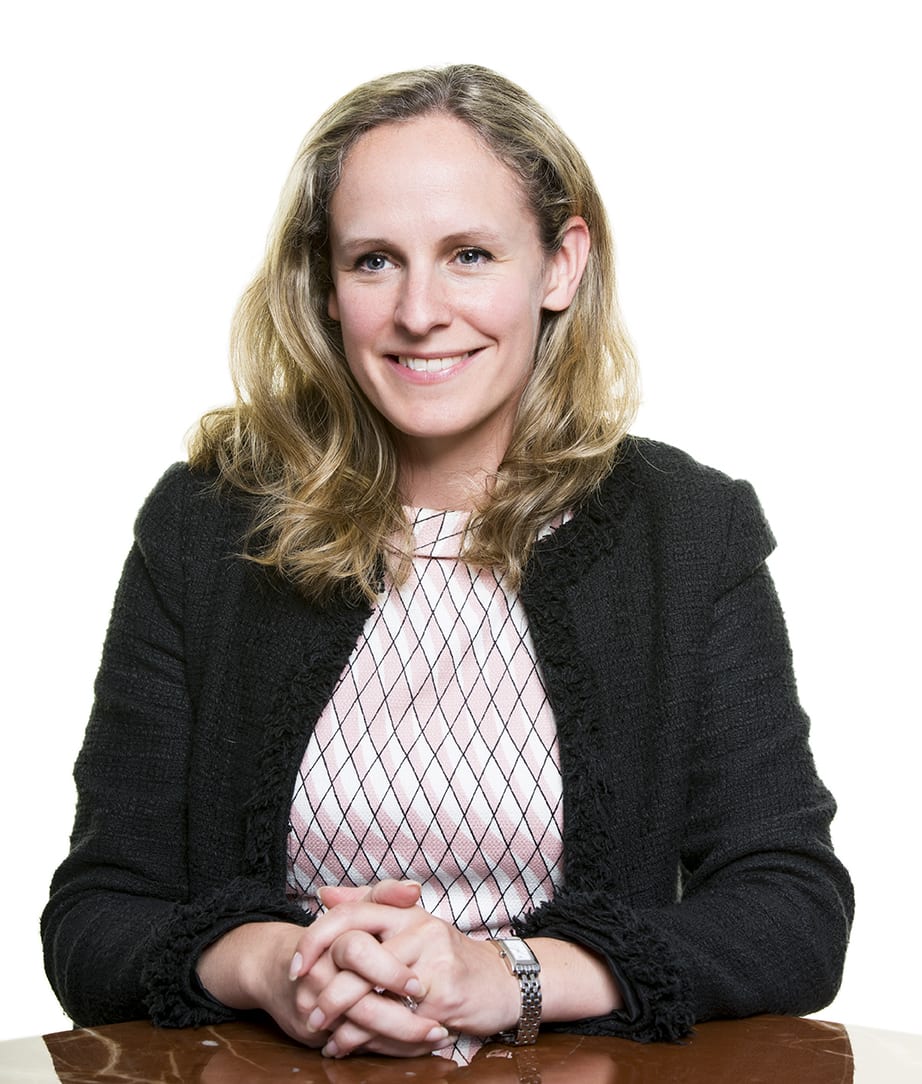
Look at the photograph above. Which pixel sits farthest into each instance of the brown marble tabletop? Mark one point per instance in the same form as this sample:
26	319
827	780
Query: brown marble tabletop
767	1049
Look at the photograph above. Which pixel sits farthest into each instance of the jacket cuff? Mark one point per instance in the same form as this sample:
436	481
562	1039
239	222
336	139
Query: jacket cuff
656	992
174	996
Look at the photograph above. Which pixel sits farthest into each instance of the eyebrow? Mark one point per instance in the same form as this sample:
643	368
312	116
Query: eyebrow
478	234
362	242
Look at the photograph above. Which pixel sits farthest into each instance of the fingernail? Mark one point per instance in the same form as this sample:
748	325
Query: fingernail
331	1050
295	970
315	1020
320	896
415	989
436	1034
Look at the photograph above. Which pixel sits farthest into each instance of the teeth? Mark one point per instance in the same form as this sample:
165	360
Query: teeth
429	365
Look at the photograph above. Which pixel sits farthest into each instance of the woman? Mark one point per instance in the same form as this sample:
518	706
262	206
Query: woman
421	623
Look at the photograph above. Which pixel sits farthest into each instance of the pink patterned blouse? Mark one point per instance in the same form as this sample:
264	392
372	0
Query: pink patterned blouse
436	758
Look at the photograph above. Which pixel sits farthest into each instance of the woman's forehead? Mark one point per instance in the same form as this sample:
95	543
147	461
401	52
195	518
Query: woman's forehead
435	166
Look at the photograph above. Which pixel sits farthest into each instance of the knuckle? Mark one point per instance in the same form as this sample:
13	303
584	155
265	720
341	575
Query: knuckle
349	950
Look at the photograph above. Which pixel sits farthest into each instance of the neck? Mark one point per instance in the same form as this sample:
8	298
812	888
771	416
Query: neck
434	474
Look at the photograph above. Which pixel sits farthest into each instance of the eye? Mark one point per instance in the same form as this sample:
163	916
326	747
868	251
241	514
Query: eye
372	261
471	257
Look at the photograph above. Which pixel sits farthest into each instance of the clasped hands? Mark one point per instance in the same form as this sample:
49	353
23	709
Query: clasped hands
377	939
339	984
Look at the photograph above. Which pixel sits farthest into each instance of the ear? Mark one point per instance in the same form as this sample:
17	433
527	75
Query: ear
332	305
565	268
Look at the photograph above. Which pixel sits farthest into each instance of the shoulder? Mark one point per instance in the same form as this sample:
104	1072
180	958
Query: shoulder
658	500
189	515
666	472
693	508
660	481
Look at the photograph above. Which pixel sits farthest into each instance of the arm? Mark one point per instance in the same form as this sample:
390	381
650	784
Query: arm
123	927
760	919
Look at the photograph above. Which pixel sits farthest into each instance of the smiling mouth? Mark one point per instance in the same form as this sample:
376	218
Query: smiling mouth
431	365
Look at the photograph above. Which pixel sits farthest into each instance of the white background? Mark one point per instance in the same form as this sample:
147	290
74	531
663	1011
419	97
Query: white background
760	165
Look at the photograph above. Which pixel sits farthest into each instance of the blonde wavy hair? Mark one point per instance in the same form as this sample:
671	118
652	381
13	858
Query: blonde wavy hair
301	436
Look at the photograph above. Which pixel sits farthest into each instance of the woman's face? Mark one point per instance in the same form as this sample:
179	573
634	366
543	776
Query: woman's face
439	280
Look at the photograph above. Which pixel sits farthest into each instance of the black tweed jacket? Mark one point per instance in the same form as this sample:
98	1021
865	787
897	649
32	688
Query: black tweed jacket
696	846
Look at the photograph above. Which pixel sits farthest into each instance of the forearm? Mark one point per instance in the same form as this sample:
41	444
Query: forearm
96	947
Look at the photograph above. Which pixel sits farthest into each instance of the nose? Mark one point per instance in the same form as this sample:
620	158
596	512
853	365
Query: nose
422	304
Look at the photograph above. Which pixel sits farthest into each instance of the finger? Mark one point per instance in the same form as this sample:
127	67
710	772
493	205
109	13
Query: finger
416	1062
396	893
333	895
374	918
392	892
377	1021
341	997
363	955
293	1020
355	965
393	1049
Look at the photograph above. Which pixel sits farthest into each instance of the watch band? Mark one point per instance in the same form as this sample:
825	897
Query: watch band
523	963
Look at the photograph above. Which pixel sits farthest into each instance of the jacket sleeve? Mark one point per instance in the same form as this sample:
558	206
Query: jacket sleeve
761	915
122	930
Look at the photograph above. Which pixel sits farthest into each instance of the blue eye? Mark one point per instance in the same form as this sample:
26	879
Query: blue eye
373	261
470	257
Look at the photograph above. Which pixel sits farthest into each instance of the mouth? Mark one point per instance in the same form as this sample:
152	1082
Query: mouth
431	364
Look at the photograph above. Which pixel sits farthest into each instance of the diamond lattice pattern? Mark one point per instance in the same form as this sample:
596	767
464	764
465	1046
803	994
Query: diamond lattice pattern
436	759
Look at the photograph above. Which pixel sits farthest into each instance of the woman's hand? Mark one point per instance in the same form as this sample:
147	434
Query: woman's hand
465	984
250	967
365	1019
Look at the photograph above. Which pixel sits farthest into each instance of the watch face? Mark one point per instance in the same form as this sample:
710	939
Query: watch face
518	952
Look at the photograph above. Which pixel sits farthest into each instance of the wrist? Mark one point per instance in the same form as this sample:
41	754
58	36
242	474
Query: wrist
524	967
577	983
240	966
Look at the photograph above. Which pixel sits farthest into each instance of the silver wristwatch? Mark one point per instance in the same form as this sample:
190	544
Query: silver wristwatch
522	962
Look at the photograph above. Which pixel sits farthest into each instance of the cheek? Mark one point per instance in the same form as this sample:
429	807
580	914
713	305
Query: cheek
516	313
360	317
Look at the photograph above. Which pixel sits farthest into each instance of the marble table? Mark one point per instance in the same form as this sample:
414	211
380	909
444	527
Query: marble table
768	1049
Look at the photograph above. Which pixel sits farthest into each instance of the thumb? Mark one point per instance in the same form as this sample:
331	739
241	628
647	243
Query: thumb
331	895
396	893
390	892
